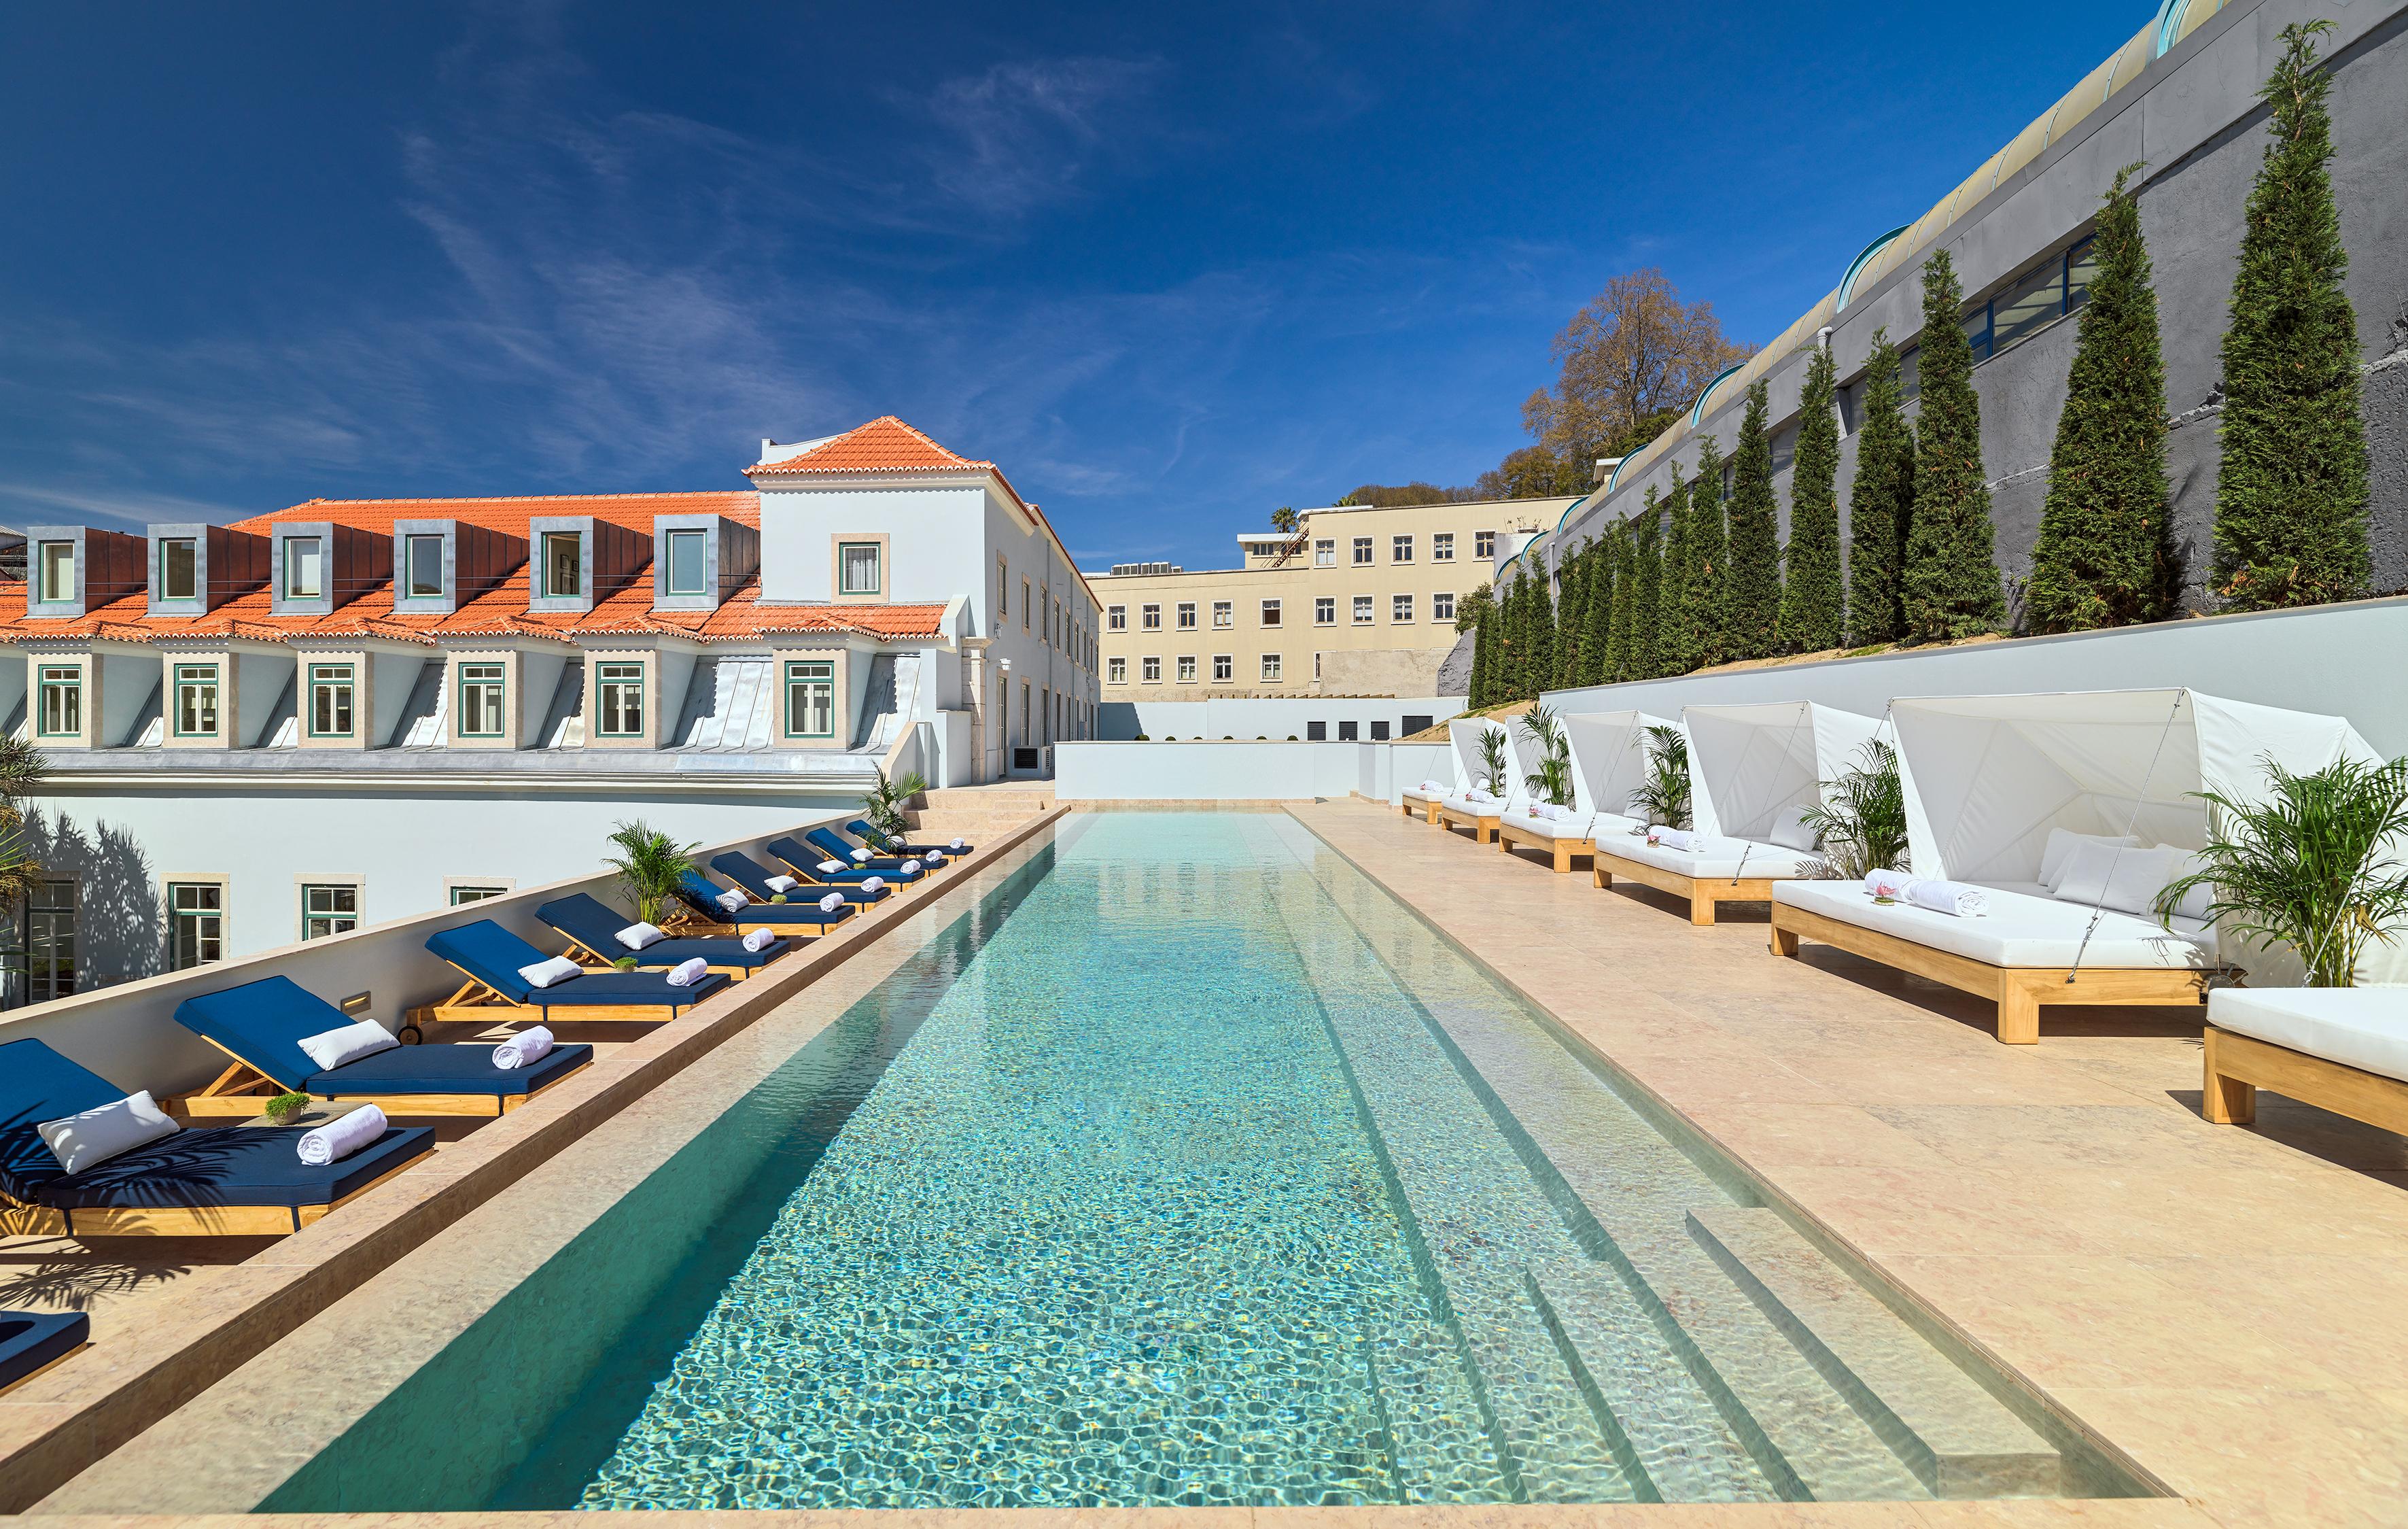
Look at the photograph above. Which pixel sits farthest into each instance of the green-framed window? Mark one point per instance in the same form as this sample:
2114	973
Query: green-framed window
331	698
476	894
179	569
195	923
688	562
329	908
811	699
482	691
305	568
61	714
618	692
197	700
857	568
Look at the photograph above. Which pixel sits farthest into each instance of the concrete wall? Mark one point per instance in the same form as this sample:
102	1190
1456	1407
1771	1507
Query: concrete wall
1204	772
128	1035
1274	717
1387	770
2340	660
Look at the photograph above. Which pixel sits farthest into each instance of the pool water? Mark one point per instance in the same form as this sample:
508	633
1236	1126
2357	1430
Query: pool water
1189	1168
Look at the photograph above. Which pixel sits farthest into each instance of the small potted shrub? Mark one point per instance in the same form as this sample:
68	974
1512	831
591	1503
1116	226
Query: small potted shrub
624	963
284	1106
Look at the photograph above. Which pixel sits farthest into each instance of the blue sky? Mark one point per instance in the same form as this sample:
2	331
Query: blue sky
1172	266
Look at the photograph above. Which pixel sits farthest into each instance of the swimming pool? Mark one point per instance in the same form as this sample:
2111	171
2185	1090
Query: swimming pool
1187	1168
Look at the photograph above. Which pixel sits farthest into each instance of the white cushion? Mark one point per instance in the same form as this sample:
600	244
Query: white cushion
861	853
2127	879
1722	857
2022	927
640	936
2366	1028
734	901
545	973
1465	807
783	883
829	868
2061	842
96	1135
1791	831
350	1043
1571	825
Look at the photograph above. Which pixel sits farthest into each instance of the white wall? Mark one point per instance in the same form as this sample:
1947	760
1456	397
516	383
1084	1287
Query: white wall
2339	660
1203	771
1387	771
1270	716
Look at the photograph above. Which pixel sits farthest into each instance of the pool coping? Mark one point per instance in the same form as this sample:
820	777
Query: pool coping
58	1424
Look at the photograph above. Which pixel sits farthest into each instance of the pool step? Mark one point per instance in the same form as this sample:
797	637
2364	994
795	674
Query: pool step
1956	1439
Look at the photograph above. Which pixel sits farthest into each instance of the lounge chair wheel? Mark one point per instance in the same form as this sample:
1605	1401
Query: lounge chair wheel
410	1034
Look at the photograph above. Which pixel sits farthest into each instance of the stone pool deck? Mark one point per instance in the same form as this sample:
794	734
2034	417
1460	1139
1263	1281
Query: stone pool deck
2227	1308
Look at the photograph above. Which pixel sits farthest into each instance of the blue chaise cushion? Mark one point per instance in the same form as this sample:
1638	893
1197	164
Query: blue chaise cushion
31	1339
492	955
596	925
264	1022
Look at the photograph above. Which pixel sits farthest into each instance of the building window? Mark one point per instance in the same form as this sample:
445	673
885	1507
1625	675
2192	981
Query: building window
195	923
1400	549
1362	551
1379	733
621	690
1324	611
422	557
58	571
50	941
329	908
1362	610
62	712
564	565
1188	668
1002	592
810	697
464	894
1483	544
1316	733
1149	669
305	568
1225	614
1441	546
857	569
179	570
1400	607
2031	304
197	700
1442	605
1349	732
1116	672
687	557
1186	615
1785	450
1116	618
1316	669
1270	612
1149	618
1023	605
1225	668
330	700
480	701
1324	553
1270	666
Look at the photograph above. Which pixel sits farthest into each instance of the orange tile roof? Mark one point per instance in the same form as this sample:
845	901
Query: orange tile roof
885	444
513	514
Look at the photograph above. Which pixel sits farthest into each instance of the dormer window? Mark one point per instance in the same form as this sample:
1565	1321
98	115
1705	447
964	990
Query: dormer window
424	556
305	568
58	571
858	563
687	561
179	569
562	564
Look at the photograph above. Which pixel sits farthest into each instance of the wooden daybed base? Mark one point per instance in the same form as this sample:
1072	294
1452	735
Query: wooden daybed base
2019	992
2236	1066
242	1091
17	1219
1561	850
1428	809
1705	893
1482	828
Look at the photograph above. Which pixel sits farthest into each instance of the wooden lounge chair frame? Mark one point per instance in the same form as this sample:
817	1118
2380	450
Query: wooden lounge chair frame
1426	809
474	1002
18	1218
1705	893
2019	992
1482	828
1562	850
243	1090
2236	1066
586	956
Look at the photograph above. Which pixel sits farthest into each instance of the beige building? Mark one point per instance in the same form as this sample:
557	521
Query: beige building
1358	601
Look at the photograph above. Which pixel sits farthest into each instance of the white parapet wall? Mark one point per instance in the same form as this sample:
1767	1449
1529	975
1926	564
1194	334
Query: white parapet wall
1272	718
1205	772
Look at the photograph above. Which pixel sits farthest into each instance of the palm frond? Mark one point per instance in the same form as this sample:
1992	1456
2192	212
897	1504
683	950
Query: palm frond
1861	817
1553	780
1663	797
651	866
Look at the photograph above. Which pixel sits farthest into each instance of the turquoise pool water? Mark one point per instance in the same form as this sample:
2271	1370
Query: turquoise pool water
1188	1169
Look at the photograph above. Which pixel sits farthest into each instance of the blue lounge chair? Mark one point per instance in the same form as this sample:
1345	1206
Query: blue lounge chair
33	1341
826	838
594	926
802	916
261	1025
754	877
861	829
490	956
806	862
244	1181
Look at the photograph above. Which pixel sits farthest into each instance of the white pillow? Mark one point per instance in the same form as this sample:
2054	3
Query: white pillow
732	901
544	973
1790	829
783	883
640	936
829	868
96	1135
861	854
348	1043
2061	843
2194	904
2118	877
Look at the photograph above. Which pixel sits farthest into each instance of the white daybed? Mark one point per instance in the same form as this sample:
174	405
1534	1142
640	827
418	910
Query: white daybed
1988	779
1609	759
1752	768
2344	1050
1460	809
1417	803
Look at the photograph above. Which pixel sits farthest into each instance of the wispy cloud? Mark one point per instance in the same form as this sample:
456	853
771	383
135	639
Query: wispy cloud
1025	133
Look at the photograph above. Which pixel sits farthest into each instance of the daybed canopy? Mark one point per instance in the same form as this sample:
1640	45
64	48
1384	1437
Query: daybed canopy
1463	736
1608	757
1748	763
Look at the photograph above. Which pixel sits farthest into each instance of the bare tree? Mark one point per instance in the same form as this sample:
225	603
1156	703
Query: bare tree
1634	354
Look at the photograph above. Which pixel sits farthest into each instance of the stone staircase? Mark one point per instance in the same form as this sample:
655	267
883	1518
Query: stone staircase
978	812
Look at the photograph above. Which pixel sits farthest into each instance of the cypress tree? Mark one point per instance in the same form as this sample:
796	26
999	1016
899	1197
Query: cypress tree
2291	491
1669	652
1542	633
1752	595
1483	657
1811	619
1510	652
1572	616
1708	560
1646	618
1626	588
2105	553
1952	585
1605	569
1881	504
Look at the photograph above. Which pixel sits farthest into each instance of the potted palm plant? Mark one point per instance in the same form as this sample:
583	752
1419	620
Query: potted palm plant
1552	781
884	803
1492	759
651	866
1663	797
1861	817
2314	866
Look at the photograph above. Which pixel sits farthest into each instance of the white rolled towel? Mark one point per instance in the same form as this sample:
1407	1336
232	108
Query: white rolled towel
958	844
1432	787
1889	884
910	866
523	1049
859	855
733	901
873	884
783	883
639	935
829	868
831	902
342	1136
759	940
934	856
1952	897
551	972
686	972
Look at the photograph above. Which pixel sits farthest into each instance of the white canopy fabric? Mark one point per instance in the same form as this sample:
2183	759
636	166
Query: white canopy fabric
1746	763
1463	734
1988	776
1608	757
